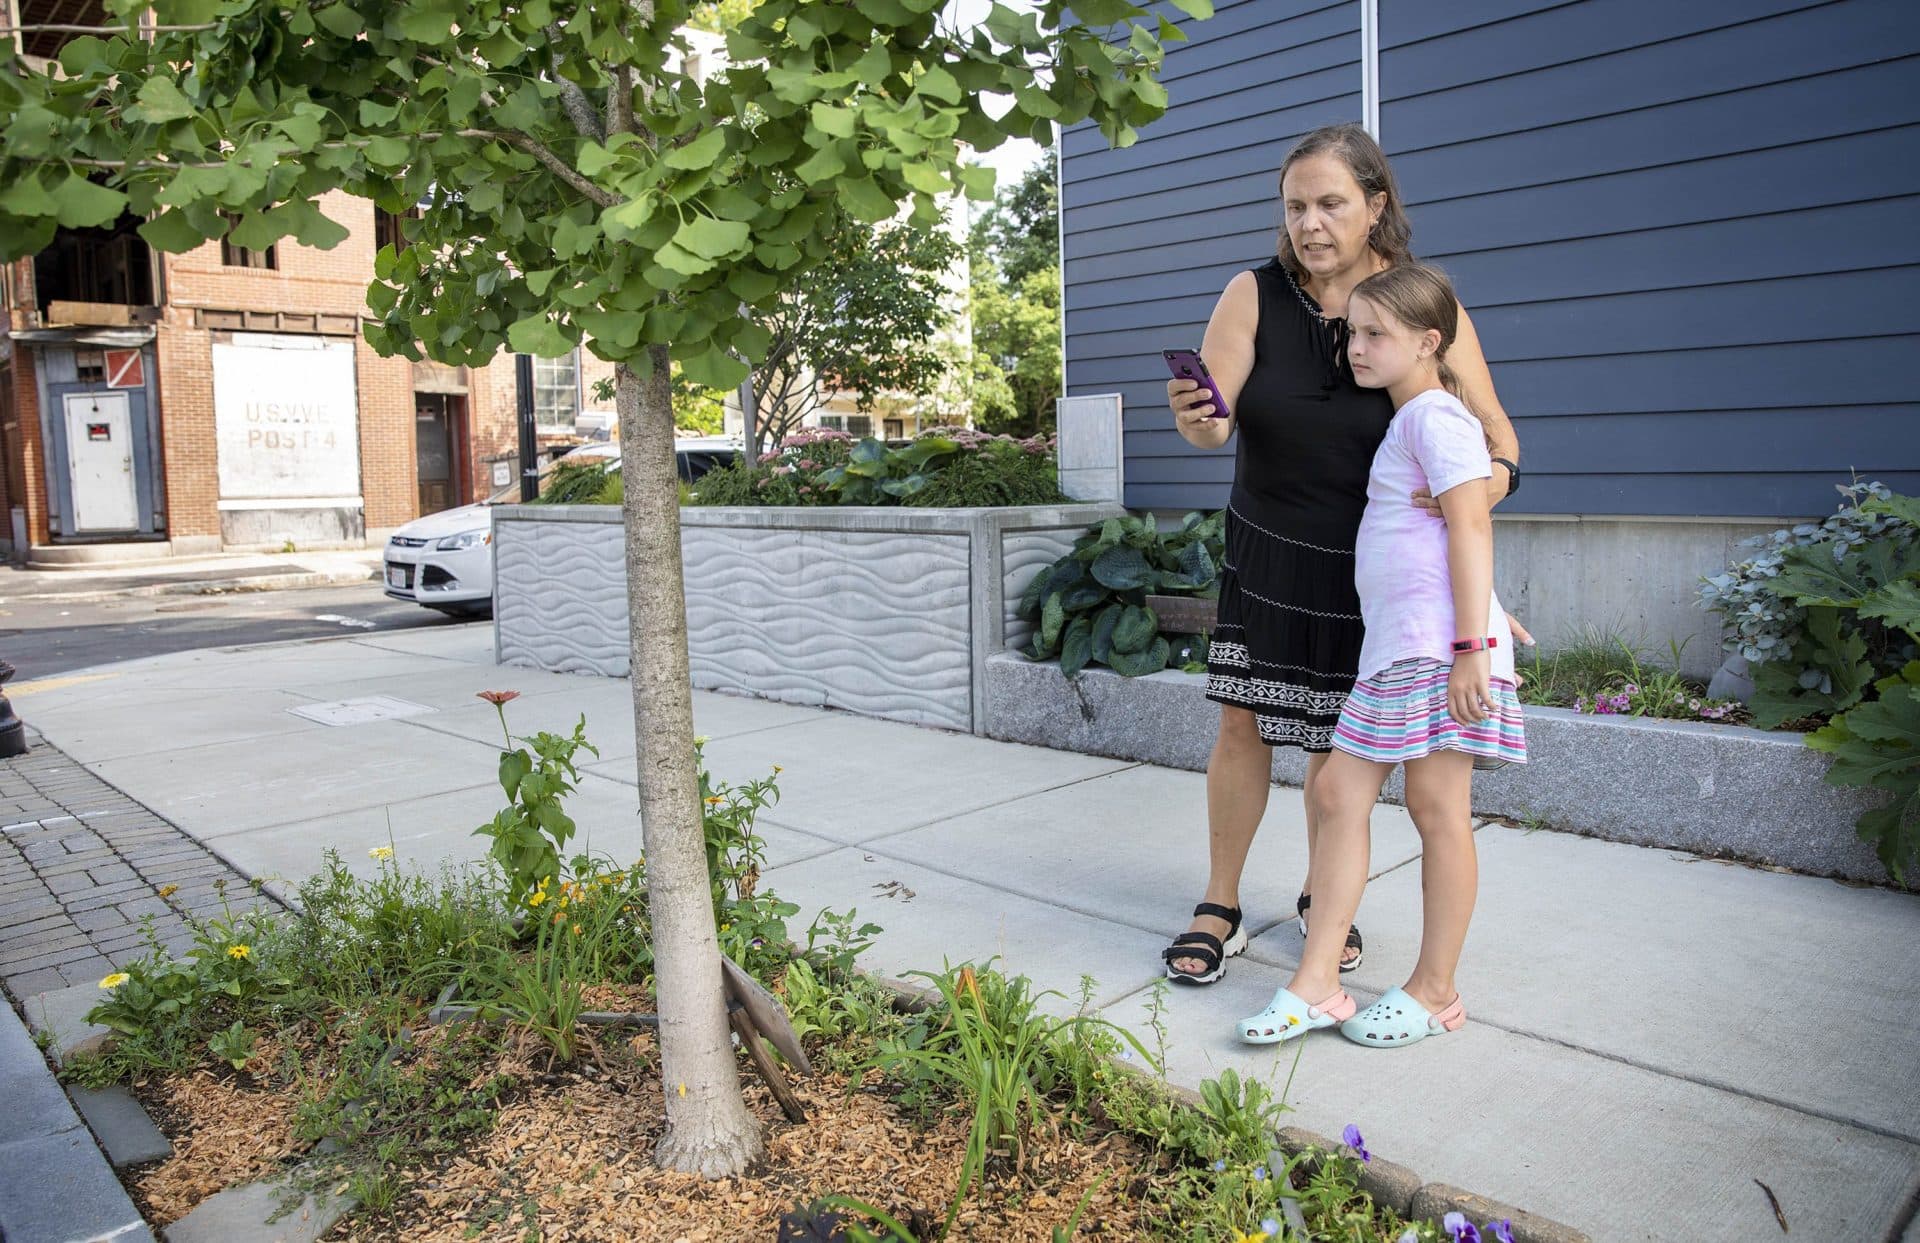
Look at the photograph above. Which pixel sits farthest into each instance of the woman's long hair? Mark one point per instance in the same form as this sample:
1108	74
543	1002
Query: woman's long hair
1392	234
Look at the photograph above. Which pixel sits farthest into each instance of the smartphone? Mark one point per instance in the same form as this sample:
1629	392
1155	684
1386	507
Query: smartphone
1188	365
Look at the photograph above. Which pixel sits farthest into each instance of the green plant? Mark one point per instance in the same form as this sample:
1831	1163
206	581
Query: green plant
1090	606
400	933
233	1045
951	467
1766	622
1856	584
989	1043
578	483
532	829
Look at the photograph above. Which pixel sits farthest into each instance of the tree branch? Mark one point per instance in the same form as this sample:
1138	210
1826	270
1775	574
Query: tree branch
105	30
620	101
533	147
580	109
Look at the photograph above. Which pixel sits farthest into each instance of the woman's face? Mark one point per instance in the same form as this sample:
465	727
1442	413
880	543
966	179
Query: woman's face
1328	215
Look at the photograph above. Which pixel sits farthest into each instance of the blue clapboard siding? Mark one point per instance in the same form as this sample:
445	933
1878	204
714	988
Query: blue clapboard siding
1689	233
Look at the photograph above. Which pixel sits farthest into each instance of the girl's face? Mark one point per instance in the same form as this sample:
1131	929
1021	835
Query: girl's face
1384	352
1328	215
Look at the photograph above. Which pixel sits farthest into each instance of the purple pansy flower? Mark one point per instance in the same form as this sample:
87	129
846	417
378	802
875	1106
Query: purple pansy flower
1351	1137
1459	1229
1501	1230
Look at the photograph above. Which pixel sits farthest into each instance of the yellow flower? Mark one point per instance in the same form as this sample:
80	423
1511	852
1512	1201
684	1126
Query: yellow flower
537	896
239	951
167	891
380	852
715	801
683	1089
576	930
777	770
726	927
115	980
1258	1236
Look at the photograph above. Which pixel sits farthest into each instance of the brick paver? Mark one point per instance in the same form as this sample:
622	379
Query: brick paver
82	866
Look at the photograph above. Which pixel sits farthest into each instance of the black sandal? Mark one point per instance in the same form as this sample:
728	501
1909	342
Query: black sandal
1354	942
1208	948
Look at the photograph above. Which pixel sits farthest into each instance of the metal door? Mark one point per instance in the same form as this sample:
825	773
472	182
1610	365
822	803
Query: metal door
100	462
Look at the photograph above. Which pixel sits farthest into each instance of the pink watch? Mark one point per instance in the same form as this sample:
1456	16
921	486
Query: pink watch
1475	645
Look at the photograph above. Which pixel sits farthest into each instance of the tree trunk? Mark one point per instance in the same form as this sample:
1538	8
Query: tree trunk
709	1131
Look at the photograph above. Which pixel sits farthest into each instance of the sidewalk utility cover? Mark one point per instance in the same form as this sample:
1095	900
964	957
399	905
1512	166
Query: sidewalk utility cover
360	711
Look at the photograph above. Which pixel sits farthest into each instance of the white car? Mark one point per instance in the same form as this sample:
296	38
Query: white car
445	560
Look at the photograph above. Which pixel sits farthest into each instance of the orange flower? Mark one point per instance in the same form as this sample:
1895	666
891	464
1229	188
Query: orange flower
497	698
968	984
715	801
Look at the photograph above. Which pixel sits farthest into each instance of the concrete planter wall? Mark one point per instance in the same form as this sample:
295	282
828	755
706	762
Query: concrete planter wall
886	612
1720	790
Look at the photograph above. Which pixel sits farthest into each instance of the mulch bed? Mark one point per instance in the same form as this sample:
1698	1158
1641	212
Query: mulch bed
570	1155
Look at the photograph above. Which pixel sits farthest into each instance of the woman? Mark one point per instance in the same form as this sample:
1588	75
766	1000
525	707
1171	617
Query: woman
1287	644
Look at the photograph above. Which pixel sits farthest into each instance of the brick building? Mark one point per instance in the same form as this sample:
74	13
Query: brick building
224	399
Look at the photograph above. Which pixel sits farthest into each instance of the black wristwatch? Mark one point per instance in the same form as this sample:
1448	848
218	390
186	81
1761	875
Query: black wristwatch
1513	475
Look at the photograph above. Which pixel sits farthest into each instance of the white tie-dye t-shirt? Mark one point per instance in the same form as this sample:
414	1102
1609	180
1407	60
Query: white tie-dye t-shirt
1400	560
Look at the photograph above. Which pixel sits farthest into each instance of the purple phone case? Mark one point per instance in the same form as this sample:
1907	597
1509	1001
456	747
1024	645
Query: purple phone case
1188	365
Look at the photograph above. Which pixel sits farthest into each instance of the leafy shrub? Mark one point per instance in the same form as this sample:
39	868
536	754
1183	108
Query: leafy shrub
947	467
1090	607
1766	622
1835	615
581	483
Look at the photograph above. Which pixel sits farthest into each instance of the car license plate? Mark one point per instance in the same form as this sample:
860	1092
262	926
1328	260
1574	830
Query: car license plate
399	576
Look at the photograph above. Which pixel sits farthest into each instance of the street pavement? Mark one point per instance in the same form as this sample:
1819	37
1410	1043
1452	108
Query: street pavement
55	634
1652	1035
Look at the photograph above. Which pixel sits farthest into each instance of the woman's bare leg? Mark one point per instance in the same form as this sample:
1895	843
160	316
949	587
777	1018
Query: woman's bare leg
1239	775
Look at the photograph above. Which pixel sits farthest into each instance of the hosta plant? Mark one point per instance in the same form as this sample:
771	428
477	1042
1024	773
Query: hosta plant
1090	607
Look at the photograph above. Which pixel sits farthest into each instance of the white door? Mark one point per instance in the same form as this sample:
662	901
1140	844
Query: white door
100	462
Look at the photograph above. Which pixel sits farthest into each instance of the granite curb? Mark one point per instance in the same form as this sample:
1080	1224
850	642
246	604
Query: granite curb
1725	791
1398	1188
212	586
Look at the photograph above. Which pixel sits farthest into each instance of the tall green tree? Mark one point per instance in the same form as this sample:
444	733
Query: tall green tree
866	324
578	183
1014	261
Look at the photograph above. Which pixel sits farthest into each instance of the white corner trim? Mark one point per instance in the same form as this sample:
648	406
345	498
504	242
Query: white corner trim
1370	66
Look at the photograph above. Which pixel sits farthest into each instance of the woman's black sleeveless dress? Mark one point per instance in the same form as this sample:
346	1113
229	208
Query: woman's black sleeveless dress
1287	643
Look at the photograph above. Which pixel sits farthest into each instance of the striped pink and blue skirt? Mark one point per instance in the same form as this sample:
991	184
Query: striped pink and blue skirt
1400	714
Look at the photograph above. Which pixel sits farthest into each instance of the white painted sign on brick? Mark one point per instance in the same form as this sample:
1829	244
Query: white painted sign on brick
288	418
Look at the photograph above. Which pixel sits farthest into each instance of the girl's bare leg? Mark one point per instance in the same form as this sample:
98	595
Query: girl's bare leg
1344	793
1440	799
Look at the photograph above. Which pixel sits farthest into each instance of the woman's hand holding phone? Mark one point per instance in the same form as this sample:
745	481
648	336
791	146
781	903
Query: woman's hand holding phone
1192	405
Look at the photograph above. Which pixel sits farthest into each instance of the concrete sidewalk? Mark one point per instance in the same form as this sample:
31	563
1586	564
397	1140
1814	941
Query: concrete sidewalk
1651	1032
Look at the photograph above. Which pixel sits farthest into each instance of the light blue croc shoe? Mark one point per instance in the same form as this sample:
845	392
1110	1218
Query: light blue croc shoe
1397	1019
1287	1016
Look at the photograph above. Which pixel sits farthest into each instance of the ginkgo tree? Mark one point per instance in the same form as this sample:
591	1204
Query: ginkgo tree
579	181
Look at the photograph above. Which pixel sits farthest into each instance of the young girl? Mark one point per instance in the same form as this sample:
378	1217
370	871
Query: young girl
1436	681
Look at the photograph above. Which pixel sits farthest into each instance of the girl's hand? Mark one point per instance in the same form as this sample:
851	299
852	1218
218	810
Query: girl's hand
1520	636
1192	405
1470	688
1423	501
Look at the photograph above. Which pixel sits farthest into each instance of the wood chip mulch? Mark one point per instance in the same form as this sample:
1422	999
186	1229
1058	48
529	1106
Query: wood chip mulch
225	1129
574	1162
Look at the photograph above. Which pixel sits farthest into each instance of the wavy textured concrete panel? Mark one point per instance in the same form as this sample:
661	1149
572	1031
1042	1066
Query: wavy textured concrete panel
888	613
873	622
1026	553
560	596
